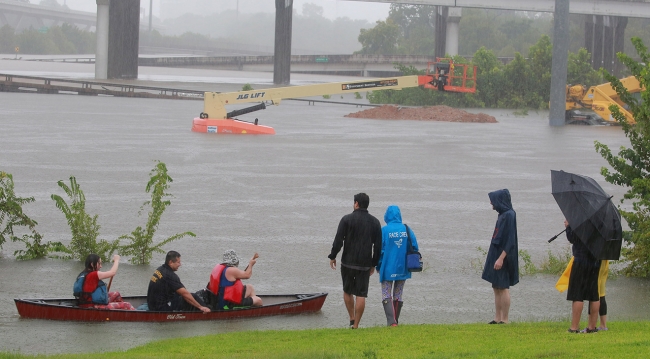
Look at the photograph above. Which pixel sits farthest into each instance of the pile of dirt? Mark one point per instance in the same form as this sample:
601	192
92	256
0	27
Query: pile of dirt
433	113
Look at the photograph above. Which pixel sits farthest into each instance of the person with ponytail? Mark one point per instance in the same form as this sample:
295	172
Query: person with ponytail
90	289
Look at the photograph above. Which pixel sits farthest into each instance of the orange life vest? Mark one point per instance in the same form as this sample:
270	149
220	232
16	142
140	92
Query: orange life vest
232	293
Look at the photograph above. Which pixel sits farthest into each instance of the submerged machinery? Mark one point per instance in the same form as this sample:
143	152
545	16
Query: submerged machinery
441	75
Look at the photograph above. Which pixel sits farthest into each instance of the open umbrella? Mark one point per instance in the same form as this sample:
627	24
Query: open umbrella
591	213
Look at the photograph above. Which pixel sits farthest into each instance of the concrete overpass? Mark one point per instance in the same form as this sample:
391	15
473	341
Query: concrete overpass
586	7
20	15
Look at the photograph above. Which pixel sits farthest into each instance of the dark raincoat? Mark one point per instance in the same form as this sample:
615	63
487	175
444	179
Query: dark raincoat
503	239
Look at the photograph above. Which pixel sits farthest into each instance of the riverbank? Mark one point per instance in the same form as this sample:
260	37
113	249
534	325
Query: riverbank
479	340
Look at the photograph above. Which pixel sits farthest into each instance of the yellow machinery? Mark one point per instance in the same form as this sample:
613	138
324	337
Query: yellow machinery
442	75
598	99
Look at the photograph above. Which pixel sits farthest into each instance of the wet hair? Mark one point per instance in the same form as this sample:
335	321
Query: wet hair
362	199
172	256
92	262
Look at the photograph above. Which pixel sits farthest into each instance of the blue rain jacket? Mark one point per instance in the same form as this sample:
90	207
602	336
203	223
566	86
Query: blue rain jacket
392	262
505	239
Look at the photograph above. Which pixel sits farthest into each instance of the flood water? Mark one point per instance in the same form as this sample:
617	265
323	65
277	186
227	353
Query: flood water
283	196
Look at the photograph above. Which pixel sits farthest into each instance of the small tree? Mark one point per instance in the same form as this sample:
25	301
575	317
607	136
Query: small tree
84	228
631	167
141	248
12	215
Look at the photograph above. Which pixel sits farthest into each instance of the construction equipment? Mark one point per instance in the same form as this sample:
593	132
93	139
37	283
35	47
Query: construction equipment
441	75
598	99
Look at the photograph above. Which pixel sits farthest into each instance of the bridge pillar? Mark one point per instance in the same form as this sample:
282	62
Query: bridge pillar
559	63
619	42
101	32
597	57
123	39
604	37
453	20
282	51
441	31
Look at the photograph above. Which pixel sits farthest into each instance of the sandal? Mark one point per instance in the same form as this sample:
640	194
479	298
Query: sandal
589	331
493	322
573	331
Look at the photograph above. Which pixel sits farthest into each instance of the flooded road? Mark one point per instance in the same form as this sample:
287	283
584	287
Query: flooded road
283	196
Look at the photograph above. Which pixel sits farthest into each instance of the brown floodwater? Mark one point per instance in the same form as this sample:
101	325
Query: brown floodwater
283	196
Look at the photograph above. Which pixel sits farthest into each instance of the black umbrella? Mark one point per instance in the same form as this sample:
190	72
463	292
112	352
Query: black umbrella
591	213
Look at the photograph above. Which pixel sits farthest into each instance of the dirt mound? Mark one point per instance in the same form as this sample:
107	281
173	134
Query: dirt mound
433	113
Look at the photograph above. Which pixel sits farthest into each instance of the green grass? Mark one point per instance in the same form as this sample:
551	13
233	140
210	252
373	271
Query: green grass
516	340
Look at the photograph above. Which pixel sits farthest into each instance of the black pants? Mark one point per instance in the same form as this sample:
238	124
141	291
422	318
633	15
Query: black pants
179	304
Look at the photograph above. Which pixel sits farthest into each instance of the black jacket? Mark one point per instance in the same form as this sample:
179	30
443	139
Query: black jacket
359	234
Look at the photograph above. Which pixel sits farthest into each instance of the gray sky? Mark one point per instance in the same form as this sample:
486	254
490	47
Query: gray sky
331	8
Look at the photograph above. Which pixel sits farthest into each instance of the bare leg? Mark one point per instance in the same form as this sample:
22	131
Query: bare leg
505	304
501	304
593	316
349	304
250	292
576	312
359	307
497	305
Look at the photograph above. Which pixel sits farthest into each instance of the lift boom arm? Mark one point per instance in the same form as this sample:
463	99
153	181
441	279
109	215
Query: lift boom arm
441	76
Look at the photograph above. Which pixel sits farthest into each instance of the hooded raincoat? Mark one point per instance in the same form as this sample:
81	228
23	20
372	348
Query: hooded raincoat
503	239
392	262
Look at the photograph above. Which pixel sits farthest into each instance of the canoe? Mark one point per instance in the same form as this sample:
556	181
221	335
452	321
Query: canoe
67	309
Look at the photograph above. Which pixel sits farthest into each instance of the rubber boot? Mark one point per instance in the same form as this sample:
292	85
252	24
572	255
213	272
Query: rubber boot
390	313
397	305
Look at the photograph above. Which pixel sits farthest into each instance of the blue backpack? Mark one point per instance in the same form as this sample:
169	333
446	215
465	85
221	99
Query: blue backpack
98	296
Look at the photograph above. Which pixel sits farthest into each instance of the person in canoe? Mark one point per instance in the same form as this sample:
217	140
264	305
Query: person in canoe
90	289
226	290
167	293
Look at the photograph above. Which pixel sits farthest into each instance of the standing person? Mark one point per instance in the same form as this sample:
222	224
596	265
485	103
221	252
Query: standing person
167	293
90	289
359	233
583	283
226	286
502	262
392	263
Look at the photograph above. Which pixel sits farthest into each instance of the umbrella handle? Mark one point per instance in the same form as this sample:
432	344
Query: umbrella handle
550	240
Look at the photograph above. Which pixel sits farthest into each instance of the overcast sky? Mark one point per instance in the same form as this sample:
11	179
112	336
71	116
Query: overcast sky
331	8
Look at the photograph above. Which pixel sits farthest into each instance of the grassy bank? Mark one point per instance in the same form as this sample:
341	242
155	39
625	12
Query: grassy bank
517	340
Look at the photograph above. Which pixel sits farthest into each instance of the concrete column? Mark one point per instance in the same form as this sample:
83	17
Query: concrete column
608	43
597	56
619	42
559	63
589	34
101	32
123	39
453	20
441	31
282	51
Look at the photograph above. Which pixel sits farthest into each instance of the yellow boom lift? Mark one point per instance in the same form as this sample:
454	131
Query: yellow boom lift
442	75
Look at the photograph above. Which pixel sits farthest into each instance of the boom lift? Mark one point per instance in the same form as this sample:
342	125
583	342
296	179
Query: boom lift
598	99
442	75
